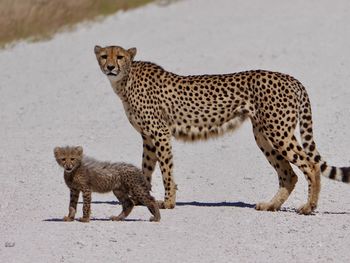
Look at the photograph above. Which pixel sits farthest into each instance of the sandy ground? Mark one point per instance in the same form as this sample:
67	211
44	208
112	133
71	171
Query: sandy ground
53	93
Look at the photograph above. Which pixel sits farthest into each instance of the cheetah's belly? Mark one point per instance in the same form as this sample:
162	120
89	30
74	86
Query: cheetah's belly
206	130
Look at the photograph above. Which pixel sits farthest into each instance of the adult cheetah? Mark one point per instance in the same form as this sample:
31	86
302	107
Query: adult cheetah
160	104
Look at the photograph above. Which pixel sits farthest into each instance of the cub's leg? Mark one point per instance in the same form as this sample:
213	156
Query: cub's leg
149	158
162	142
86	206
286	176
141	194
126	202
294	153
74	196
152	206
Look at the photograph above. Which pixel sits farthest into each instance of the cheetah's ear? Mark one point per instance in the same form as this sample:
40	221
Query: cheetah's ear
56	151
132	52
79	149
97	49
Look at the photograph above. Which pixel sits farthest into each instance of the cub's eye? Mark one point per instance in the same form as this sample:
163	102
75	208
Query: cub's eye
104	56
63	159
120	57
72	159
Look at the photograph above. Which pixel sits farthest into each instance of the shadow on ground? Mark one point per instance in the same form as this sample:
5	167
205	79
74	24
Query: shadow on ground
231	204
192	203
216	204
95	219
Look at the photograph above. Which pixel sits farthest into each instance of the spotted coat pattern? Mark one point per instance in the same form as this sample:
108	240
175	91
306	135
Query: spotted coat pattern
160	104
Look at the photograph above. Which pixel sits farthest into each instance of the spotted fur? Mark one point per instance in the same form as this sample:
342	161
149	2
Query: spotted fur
161	104
86	175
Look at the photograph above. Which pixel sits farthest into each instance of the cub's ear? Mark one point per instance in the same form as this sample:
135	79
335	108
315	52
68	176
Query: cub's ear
97	49
79	149
56	151
132	52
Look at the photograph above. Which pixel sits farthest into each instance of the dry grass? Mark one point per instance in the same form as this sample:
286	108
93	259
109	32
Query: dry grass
37	19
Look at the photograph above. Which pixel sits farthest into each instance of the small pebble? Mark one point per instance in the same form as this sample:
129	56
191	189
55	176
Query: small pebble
10	244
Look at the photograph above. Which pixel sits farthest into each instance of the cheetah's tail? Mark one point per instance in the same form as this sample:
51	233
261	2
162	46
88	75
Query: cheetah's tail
341	174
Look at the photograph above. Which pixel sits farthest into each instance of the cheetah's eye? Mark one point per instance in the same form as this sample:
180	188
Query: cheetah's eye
72	159
104	56
63	159
120	57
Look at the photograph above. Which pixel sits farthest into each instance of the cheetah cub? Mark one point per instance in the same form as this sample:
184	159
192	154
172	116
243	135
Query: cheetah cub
86	175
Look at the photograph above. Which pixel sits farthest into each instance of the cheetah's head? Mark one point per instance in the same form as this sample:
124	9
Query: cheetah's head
69	157
115	61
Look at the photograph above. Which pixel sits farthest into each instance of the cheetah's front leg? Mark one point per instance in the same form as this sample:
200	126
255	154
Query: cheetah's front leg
86	206
165	159
149	158
74	196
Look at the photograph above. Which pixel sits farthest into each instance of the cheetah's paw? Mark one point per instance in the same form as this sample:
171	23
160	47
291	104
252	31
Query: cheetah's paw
306	209
117	218
68	219
84	219
266	207
165	204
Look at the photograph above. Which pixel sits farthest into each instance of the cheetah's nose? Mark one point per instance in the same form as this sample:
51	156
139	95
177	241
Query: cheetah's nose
110	67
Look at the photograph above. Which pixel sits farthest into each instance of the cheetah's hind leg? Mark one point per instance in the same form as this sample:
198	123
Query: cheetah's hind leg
127	205
153	207
286	176
293	152
142	195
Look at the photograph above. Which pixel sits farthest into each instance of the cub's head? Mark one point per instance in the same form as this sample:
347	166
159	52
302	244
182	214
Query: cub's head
115	61
69	157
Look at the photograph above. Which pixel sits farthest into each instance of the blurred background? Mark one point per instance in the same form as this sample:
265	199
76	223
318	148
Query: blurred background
40	19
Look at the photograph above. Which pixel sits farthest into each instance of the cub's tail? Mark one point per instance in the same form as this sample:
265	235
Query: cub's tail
341	174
